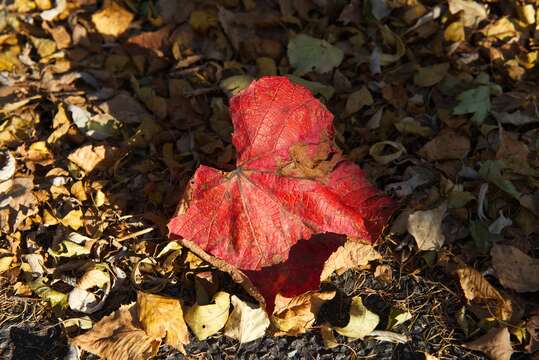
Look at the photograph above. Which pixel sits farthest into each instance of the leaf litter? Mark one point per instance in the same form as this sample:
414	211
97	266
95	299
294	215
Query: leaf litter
108	109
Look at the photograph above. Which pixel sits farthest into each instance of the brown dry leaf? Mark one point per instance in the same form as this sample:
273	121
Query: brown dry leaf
112	19
78	190
357	100
353	254
88	157
496	344
119	337
447	145
60	36
162	317
477	288
513	152
125	108
384	274
515	269
532	325
426	228
18	203
296	315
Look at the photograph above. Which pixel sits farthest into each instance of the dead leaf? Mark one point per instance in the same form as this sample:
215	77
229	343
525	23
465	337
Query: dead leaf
112	19
362	321
206	320
296	315
426	228
477	288
447	145
246	322
162	317
118	337
472	13
88	157
357	100
496	344
515	269
353	254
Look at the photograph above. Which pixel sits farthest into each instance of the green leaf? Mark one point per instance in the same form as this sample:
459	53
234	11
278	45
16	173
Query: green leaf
474	101
316	88
69	249
308	54
40	287
491	171
482	237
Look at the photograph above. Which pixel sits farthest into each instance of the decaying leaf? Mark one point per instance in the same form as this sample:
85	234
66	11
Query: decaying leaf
162	318
496	344
447	145
477	288
362	321
88	157
289	175
426	227
118	337
246	322
353	254
296	315
206	320
112	19
515	269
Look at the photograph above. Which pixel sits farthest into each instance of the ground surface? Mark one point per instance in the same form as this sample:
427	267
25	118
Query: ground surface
107	108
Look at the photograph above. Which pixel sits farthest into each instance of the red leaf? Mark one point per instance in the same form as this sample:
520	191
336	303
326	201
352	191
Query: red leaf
290	182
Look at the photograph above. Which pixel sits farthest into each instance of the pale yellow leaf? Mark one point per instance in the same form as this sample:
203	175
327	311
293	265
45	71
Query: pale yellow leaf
247	322
206	320
362	321
112	19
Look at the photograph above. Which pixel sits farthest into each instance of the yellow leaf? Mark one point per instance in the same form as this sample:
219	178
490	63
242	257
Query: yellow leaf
206	320
162	317
5	263
112	19
362	321
78	190
73	219
454	32
296	315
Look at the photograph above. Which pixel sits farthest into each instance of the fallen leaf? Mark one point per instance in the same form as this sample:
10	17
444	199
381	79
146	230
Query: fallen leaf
293	316
430	75
496	344
474	101
289	175
384	274
447	145
513	153
362	321
308	54
501	29
353	254
206	320
515	269
357	100
40	287
246	322
117	337
426	228
477	288
112	19
88	157
397	317
532	325
472	13
379	151
73	219
162	317
125	108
